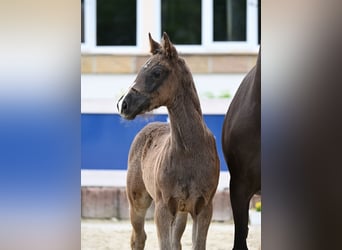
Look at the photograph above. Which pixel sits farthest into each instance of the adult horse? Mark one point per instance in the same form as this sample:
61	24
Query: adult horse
174	164
241	149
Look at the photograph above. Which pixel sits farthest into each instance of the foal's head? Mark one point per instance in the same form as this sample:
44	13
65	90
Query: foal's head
157	81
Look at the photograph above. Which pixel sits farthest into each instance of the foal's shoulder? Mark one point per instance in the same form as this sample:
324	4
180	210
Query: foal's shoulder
156	128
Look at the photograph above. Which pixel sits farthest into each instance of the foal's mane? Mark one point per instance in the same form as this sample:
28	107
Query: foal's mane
188	84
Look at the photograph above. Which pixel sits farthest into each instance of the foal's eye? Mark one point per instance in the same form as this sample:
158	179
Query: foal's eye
156	73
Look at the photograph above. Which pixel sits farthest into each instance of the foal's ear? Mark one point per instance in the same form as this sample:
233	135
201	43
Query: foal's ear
168	48
154	46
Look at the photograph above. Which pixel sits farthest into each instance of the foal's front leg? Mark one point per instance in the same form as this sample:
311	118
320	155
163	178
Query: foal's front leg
200	227
164	220
139	202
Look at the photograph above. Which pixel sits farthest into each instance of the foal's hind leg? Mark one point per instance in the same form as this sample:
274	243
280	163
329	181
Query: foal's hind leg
178	228
139	201
201	226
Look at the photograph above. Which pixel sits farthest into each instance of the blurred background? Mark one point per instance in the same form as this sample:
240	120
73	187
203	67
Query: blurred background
40	111
44	141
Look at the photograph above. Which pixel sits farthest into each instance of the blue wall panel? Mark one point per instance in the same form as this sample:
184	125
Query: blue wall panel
106	138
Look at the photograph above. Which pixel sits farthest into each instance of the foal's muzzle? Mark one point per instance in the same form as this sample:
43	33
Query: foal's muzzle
132	104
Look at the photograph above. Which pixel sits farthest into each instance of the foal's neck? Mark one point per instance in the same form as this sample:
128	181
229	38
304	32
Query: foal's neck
187	126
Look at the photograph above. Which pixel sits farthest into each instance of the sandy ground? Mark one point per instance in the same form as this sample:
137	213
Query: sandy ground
112	234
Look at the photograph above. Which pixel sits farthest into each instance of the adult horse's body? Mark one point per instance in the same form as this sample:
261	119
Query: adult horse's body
174	164
241	148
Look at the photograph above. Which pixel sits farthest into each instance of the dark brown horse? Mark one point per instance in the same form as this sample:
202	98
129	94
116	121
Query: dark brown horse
174	164
241	148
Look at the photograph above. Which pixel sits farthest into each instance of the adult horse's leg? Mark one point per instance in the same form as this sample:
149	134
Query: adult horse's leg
240	198
200	227
164	220
178	228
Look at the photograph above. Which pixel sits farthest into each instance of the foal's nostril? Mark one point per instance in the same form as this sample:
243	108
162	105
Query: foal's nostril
124	105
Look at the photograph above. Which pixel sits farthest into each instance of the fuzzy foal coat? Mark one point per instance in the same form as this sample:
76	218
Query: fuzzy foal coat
175	164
